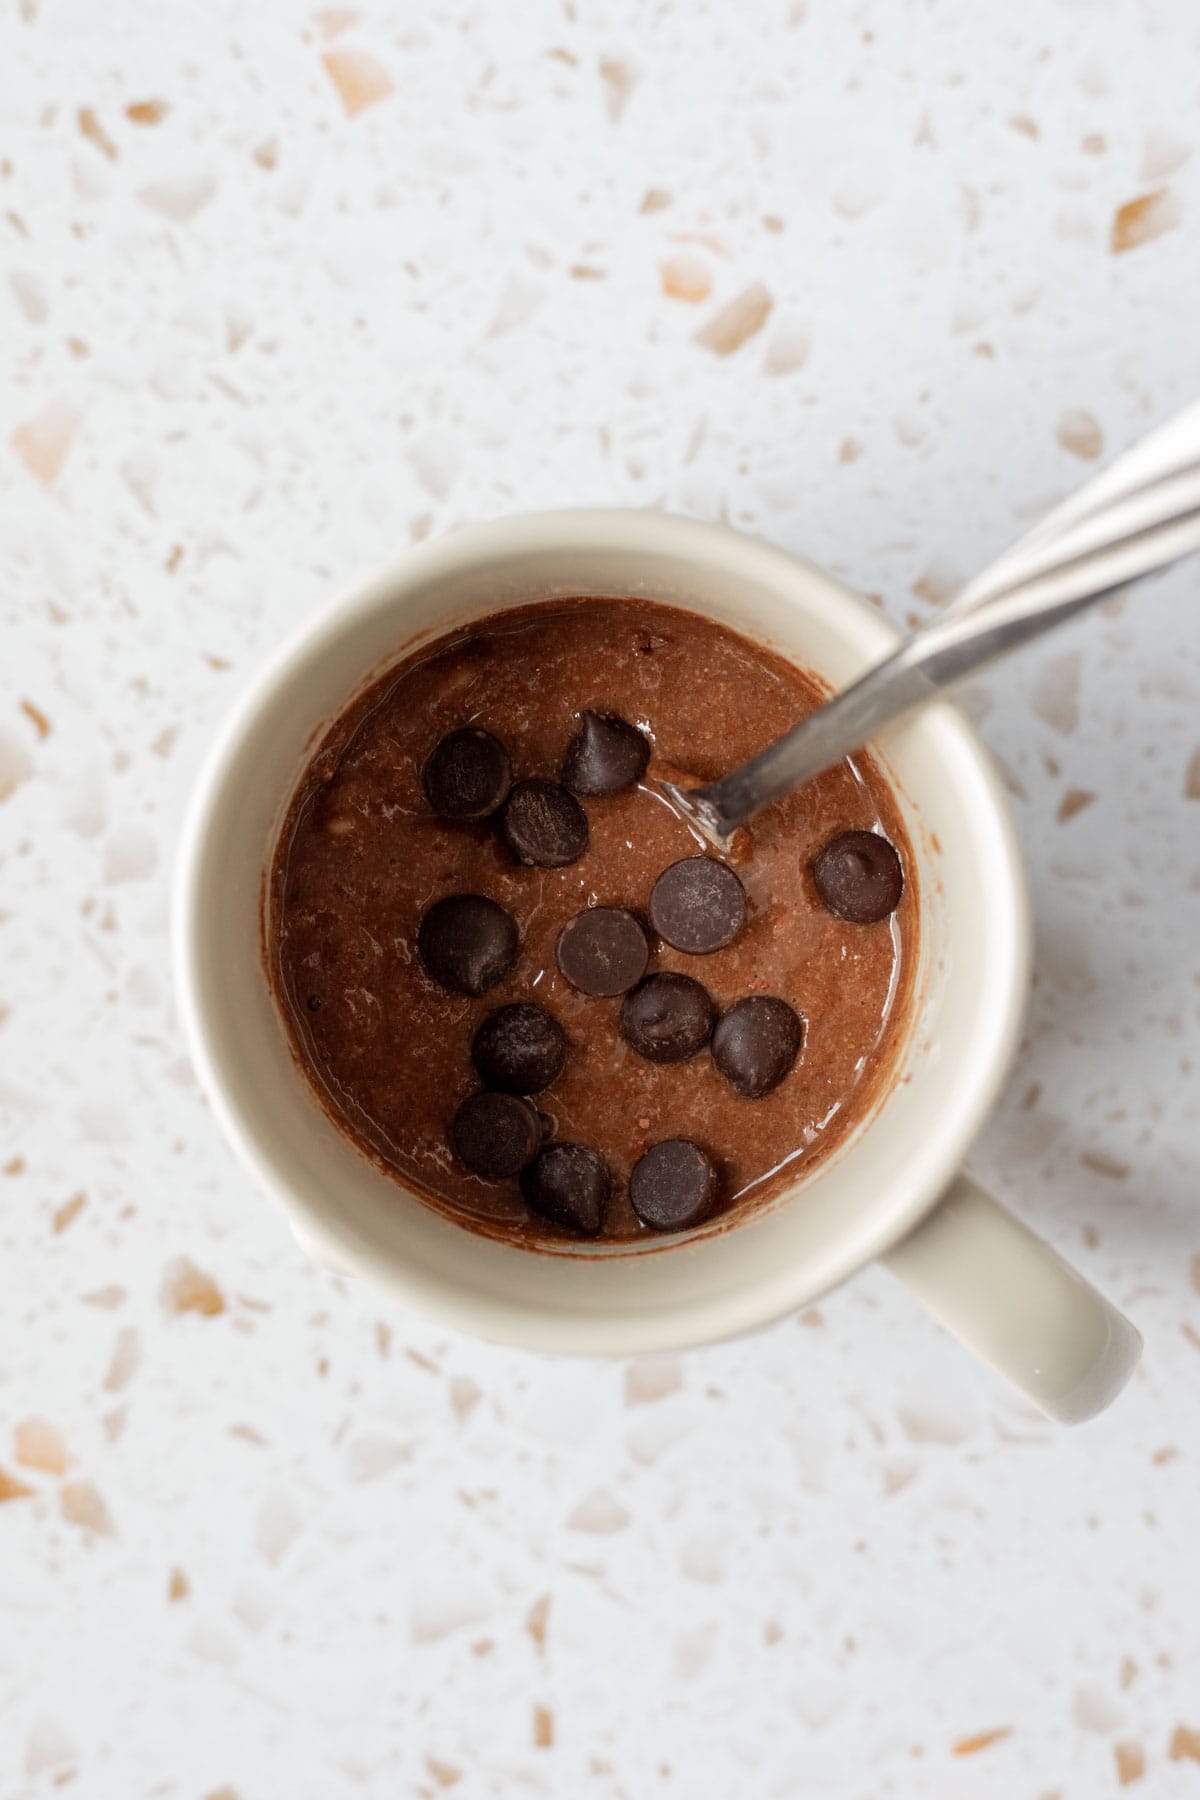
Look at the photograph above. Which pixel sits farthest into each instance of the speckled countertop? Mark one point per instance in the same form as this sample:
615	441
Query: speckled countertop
282	291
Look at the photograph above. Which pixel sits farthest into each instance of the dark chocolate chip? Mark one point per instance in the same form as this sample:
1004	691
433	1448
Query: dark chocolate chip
569	1184
519	1048
698	905
674	1185
668	1018
603	950
468	774
859	877
545	825
496	1134
467	942
756	1042
606	755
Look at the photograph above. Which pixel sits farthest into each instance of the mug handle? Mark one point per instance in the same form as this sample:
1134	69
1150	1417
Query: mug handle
1005	1294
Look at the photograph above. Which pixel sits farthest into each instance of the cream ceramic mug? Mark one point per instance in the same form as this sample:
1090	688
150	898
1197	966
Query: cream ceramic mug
894	1189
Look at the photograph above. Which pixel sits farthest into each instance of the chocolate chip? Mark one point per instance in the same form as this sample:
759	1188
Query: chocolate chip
603	950
545	825
496	1134
859	877
698	905
467	775
467	942
519	1048
756	1042
569	1184
668	1018
674	1185
314	1003
605	755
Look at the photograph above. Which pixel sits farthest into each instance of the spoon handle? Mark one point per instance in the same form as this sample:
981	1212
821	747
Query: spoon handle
1138	516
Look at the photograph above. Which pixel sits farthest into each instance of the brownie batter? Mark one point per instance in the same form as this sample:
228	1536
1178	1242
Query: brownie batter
486	726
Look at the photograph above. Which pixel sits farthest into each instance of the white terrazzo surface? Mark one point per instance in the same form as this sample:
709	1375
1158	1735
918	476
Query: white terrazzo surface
284	1541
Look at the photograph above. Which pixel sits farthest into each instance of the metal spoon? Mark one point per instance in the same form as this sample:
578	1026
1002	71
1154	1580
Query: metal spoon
1141	514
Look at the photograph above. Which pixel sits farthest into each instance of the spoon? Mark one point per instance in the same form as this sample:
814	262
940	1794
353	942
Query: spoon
1137	517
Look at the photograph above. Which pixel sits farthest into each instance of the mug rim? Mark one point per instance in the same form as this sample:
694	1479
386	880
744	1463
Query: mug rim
996	1034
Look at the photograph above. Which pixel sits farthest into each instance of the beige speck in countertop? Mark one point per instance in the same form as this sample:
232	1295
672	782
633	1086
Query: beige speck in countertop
332	21
37	718
598	1513
83	1504
980	1740
147	112
535	1620
44	442
1092	1710
444	1774
1101	1163
685	276
1056	695
651	1378
519	300
465	1396
179	199
543	1727
370	1456
930	1427
787	349
1131	1763
737	322
67	1213
91	129
29	291
187	1289
937	583
39	1445
1185	1744
123	1363
1074	801
130	855
359	78
1142	220
12	1488
278	1525
1079	432
618	80
898	1474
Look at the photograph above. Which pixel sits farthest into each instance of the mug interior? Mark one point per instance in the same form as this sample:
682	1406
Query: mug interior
970	982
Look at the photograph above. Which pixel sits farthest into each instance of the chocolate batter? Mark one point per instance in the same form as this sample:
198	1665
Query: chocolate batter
364	856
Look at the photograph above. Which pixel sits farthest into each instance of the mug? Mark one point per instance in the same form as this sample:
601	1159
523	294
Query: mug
894	1189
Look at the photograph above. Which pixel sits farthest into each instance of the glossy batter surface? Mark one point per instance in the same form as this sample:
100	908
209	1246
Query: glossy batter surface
361	857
